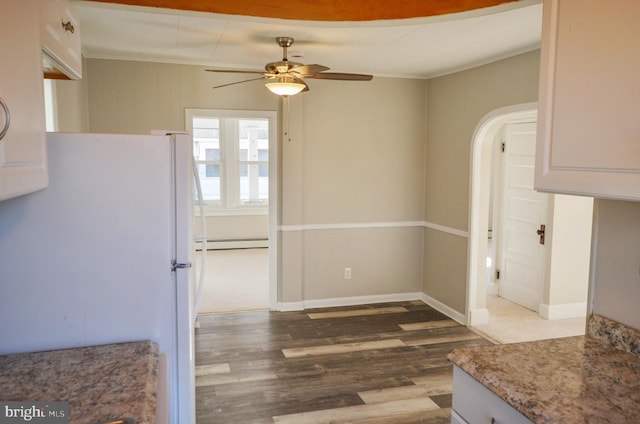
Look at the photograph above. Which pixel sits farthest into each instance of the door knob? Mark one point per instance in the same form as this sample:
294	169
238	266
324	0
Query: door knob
540	232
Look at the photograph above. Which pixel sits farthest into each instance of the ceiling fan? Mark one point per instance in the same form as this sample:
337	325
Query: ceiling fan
288	77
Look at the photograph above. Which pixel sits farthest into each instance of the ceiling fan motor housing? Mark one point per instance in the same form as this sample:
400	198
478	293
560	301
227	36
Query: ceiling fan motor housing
281	67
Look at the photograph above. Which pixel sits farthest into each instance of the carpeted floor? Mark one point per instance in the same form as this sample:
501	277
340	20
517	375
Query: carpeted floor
236	280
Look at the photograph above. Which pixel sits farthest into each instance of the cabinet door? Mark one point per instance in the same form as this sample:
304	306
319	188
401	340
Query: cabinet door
73	48
51	22
61	39
588	125
473	403
23	167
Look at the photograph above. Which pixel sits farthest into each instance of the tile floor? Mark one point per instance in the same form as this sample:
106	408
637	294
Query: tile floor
511	323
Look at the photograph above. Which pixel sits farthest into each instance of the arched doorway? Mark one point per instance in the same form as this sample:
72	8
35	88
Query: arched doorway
566	267
480	183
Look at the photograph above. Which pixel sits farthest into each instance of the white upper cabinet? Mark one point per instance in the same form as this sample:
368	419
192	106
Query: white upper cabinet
60	34
589	104
23	160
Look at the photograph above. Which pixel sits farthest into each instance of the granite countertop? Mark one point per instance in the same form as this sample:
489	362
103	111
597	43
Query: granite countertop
101	383
570	380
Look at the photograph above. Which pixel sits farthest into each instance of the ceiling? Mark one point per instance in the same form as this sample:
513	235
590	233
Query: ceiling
411	48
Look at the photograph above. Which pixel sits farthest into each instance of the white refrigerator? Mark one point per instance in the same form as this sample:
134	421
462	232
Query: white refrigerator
102	255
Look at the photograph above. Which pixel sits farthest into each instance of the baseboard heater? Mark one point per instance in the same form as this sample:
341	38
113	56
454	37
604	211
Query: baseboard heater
235	244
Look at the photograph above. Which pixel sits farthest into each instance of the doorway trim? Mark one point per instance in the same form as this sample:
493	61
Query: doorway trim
480	175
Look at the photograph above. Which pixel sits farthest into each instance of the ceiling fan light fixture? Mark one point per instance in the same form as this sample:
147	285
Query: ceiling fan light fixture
285	88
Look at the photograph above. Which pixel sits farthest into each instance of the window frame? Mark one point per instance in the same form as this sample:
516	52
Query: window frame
230	203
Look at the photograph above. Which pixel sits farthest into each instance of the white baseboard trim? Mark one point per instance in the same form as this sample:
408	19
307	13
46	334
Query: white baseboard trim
383	298
441	307
290	306
478	316
563	311
360	300
348	301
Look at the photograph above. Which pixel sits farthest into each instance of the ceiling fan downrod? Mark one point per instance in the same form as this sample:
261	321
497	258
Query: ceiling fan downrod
285	43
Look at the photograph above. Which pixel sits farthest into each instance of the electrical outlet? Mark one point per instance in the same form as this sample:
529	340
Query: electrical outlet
347	273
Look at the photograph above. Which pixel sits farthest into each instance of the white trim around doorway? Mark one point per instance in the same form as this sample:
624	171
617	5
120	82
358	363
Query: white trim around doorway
483	137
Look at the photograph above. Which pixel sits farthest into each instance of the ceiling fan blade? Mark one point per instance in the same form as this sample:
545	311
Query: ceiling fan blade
308	70
231	71
237	82
342	76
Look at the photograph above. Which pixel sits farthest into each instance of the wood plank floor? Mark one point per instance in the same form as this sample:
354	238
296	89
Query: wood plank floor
382	363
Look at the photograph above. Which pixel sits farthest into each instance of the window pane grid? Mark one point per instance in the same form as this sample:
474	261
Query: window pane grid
253	155
207	152
232	156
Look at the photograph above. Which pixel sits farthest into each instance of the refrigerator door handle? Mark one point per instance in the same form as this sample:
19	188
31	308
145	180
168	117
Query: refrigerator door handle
175	265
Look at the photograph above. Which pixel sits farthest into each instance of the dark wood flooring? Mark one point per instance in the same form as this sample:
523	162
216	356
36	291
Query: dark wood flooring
382	363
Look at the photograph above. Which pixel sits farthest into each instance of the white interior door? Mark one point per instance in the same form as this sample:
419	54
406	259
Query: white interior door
522	258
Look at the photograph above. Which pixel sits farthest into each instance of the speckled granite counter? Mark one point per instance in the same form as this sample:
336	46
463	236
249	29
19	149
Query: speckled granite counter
101	383
571	380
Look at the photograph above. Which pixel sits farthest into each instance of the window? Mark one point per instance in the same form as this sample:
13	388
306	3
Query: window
231	149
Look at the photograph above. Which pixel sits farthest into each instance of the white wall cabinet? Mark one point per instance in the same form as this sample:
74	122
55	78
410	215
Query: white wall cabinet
473	403
23	159
588	122
60	32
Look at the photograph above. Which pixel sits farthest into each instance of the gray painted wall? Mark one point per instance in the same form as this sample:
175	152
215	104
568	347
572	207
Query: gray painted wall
358	177
355	159
615	284
456	104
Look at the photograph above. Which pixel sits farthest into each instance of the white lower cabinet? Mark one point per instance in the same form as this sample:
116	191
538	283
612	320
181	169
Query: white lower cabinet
473	403
457	419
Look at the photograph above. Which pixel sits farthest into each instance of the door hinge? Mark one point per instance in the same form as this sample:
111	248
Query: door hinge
497	274
503	146
175	265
